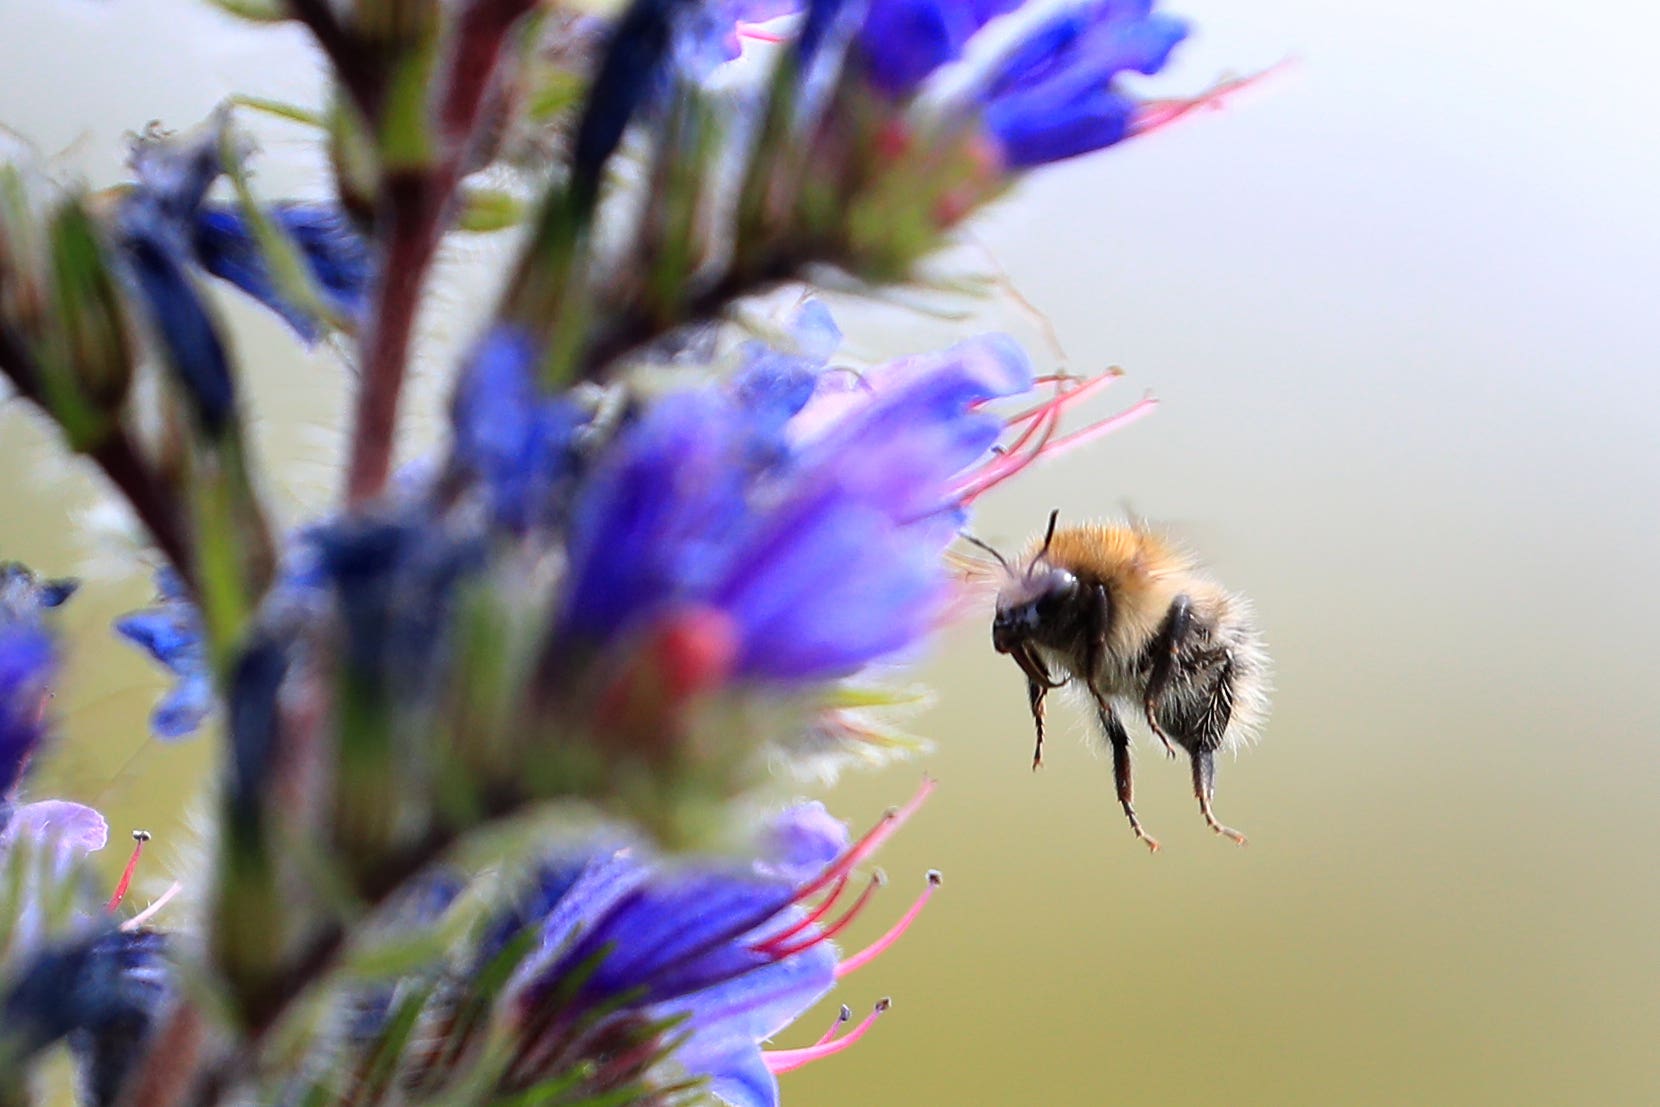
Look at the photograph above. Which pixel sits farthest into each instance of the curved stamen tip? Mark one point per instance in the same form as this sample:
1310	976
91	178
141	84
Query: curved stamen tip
780	1061
895	932
935	878
141	835
880	878
885	828
883	1005
846	1015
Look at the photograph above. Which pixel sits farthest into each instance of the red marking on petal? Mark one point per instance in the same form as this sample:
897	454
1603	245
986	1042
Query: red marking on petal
780	1061
752	32
894	140
694	651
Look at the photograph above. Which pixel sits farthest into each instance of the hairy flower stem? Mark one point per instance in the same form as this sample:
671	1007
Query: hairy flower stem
414	204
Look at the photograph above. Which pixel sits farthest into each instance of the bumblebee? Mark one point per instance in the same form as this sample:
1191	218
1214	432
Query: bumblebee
1145	632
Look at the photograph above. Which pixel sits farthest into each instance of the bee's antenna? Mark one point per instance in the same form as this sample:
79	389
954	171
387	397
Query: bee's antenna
973	541
1048	537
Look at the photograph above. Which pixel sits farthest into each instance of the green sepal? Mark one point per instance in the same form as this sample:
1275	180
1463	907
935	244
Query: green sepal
485	210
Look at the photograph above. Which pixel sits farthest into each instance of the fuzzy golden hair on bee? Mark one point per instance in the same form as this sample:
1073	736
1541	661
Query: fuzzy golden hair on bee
1130	618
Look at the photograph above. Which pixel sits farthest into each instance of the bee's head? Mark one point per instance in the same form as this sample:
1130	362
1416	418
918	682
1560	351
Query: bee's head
1036	609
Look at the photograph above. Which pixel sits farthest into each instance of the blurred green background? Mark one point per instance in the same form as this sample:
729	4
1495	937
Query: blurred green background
1400	308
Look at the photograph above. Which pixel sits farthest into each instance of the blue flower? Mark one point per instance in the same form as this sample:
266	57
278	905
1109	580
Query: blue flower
1053	96
516	441
171	633
336	256
902	42
821	560
27	659
168	232
104	993
189	337
725	954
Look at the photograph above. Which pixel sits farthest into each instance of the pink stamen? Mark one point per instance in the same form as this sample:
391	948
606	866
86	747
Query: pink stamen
1008	463
1070	390
776	949
1083	435
753	32
885	828
1011	460
149	912
842	1018
880	946
780	1061
818	913
1156	114
126	881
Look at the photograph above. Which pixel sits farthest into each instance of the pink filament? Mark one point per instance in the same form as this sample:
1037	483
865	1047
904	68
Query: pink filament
895	932
752	31
780	1061
817	913
149	912
1017	456
885	828
1155	114
126	881
841	1019
1079	437
779	951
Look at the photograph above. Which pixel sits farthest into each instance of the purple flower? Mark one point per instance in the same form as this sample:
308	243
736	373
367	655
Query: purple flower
1053	95
724	955
171	633
335	255
189	337
169	232
516	441
902	42
104	993
27	659
820	560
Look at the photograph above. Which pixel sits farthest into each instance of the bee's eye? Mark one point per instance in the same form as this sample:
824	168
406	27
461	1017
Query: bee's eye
1058	591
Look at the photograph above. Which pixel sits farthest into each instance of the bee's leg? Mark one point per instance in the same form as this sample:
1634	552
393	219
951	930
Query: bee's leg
1212	730
1204	786
1120	742
1038	683
1035	693
1165	648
